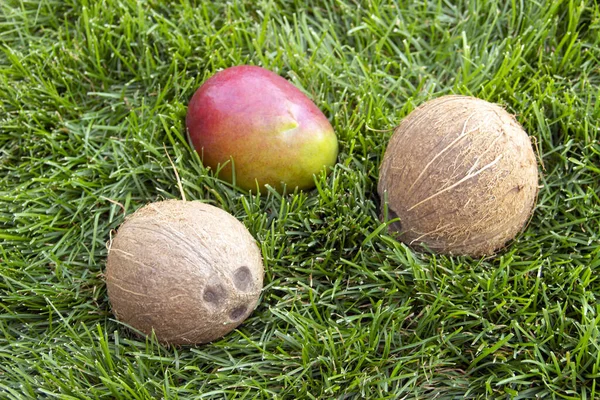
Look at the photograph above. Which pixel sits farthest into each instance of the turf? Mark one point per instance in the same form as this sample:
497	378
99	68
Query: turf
94	96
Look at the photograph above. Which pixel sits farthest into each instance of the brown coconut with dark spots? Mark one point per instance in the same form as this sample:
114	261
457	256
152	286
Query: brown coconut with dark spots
461	175
186	270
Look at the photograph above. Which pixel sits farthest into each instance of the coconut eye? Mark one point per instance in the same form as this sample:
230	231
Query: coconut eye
237	313
242	278
213	295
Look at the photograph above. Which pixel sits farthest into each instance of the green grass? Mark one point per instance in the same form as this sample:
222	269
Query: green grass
93	98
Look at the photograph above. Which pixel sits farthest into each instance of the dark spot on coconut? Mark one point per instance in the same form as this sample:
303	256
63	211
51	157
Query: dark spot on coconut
396	225
242	278
237	313
517	188
214	294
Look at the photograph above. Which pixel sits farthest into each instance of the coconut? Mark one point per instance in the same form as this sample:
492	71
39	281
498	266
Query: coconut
461	175
186	270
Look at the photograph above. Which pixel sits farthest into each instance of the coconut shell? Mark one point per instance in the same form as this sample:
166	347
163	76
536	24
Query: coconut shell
461	175
186	270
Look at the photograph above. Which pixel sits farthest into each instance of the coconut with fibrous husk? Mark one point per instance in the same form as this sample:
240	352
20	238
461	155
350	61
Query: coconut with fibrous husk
461	175
186	270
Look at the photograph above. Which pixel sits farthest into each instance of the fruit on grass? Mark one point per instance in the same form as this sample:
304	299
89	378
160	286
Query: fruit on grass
187	270
253	121
461	175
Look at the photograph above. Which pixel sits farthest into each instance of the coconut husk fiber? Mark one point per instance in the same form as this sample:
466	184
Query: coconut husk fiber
461	175
186	270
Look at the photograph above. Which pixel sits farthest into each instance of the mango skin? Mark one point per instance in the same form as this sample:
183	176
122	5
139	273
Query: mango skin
262	124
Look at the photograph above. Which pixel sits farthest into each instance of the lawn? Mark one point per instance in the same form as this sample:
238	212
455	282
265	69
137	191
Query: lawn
93	100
